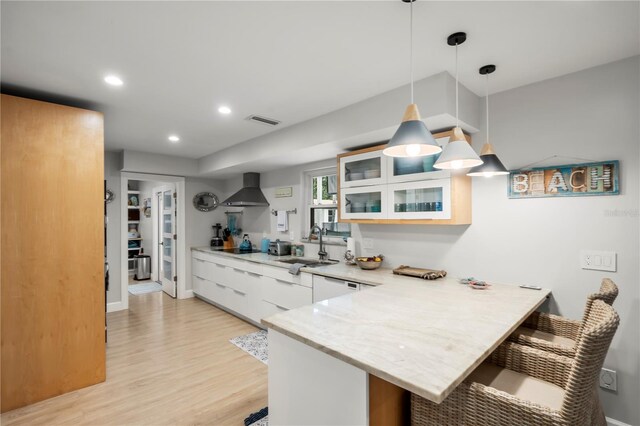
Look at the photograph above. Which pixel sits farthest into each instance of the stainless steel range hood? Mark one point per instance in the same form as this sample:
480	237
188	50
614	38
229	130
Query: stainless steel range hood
250	195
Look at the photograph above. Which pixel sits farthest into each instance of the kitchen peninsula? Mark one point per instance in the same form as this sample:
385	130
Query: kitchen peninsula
328	360
421	336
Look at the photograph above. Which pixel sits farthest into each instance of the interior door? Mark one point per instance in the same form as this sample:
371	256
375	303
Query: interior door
167	245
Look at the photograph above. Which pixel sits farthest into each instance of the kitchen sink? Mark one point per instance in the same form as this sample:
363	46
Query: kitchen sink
309	262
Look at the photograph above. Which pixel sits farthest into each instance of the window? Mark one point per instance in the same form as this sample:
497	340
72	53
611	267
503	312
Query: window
323	204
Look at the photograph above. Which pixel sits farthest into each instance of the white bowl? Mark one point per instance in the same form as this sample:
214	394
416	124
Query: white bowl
356	176
371	174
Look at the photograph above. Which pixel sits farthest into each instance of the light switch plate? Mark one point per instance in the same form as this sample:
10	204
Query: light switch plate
598	260
367	243
608	379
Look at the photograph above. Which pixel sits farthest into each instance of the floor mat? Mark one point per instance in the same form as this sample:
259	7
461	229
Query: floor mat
255	344
260	418
137	289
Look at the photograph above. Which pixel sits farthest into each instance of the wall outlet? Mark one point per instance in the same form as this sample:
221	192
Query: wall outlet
367	243
598	260
608	379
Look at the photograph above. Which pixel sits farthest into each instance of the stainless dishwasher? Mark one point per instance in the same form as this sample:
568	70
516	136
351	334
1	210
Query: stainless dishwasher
326	288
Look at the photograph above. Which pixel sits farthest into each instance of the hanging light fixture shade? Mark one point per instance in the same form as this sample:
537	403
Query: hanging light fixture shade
492	165
458	153
412	139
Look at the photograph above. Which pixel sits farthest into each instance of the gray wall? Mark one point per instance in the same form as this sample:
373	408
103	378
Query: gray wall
112	175
592	114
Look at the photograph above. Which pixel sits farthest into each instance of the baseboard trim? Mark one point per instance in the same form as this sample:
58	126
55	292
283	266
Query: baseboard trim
115	306
188	294
614	422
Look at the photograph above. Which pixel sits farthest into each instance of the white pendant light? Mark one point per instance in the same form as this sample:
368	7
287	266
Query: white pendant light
458	153
412	139
492	165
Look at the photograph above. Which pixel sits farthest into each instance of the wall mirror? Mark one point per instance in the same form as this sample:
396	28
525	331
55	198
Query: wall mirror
205	201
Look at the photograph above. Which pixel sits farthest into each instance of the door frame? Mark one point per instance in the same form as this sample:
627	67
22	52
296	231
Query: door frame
181	192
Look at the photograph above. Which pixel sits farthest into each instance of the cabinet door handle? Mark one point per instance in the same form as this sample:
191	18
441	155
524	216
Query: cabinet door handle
200	260
282	308
242	271
283	281
219	265
220	285
239	292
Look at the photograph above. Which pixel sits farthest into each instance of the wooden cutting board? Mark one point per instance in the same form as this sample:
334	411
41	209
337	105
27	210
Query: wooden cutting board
425	274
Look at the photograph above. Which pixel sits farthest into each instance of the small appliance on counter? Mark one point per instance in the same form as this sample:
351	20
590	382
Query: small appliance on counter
245	245
279	248
217	240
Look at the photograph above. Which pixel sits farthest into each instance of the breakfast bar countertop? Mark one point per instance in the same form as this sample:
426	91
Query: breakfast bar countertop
423	336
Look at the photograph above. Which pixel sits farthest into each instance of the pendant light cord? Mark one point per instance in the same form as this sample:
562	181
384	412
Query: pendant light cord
487	105
411	47
457	100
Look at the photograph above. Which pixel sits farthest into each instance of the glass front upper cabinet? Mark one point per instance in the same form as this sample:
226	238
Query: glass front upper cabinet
407	169
430	199
369	168
364	203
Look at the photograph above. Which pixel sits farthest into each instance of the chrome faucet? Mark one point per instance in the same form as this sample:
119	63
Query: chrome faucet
322	254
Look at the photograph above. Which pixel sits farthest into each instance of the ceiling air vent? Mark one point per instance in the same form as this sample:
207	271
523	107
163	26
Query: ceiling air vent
263	120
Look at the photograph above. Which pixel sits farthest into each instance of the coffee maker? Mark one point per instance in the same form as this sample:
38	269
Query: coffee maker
217	241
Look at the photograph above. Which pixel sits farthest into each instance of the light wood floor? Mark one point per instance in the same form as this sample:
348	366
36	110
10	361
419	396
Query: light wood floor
168	362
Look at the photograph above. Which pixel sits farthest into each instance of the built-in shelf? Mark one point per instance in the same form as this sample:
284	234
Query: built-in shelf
135	239
134	207
134	221
133	192
134	248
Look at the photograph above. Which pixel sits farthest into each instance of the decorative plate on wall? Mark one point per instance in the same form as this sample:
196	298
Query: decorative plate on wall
109	196
205	201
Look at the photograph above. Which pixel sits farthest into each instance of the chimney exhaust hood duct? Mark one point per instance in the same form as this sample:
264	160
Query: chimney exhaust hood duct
250	195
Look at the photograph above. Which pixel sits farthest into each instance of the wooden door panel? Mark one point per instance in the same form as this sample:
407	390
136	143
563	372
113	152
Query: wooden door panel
52	250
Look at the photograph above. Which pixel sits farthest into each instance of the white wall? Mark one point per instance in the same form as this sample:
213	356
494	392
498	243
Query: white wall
199	231
592	114
112	175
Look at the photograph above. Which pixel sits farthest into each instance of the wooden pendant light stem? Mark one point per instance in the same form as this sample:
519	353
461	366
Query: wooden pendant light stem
411	113
487	149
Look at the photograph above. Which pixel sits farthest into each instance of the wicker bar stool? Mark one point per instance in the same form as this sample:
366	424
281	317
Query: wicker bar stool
557	334
524	386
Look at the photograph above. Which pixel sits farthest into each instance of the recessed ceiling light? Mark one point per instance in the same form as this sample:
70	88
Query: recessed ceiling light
224	110
174	138
113	80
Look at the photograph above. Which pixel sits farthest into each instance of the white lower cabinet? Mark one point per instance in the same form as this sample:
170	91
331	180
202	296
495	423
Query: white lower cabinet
285	294
268	309
249	289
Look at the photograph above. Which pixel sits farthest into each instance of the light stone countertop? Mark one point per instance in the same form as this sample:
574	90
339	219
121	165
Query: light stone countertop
424	336
340	270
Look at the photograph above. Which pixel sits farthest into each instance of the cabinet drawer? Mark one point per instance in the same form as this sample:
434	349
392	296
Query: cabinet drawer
202	256
237	301
281	274
220	294
237	279
199	267
284	293
269	309
204	288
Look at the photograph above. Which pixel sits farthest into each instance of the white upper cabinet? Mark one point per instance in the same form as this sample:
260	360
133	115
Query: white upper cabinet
428	199
374	187
365	202
369	168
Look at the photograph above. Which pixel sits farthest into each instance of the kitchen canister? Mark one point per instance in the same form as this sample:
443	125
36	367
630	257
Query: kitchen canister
264	245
